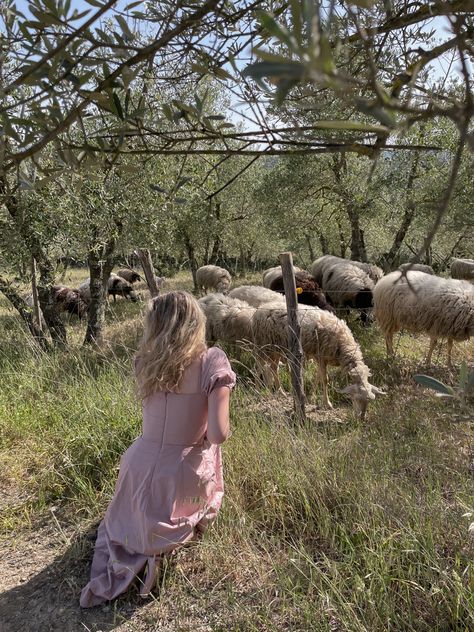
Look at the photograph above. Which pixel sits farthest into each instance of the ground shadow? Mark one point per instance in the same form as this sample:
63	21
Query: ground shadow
49	600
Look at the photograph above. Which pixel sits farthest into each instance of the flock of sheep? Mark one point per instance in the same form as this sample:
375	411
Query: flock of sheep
413	299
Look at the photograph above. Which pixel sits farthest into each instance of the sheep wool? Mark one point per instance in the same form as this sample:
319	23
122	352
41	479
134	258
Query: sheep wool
424	303
345	284
227	319
213	278
256	295
268	276
417	267
462	269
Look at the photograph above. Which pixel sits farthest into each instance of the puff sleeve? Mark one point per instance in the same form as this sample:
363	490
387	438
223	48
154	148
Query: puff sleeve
217	371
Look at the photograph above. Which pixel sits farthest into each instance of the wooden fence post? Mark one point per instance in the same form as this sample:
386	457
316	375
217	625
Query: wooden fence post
295	349
147	264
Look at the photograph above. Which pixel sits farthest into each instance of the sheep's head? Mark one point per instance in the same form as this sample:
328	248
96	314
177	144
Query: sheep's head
360	395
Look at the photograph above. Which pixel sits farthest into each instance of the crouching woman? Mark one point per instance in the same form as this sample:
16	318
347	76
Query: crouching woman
170	484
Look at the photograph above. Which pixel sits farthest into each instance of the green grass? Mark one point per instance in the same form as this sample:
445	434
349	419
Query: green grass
336	525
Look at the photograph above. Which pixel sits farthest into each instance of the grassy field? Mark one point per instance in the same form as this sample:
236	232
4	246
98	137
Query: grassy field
338	525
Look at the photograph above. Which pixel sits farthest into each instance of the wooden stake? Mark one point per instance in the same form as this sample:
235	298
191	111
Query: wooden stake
34	290
147	264
295	349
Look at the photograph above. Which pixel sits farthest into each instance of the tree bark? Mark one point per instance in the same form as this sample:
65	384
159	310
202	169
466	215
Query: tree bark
147	265
310	246
25	312
100	262
358	250
295	348
34	290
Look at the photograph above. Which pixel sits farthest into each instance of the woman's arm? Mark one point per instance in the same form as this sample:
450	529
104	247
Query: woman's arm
218	415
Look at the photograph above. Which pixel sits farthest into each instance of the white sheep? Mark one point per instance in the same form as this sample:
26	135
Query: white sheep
374	272
268	276
416	267
423	303
213	278
326	339
344	283
227	319
462	269
256	295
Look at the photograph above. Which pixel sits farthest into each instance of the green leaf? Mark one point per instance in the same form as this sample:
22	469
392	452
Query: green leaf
127	33
222	74
200	68
435	385
290	69
362	4
167	111
269	23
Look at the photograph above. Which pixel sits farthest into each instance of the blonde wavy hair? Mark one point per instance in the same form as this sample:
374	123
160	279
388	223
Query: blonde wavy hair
174	336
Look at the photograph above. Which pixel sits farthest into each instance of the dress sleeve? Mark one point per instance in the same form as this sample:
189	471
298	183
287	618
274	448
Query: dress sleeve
217	371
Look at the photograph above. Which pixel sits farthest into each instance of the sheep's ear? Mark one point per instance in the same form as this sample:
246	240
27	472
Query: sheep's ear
377	391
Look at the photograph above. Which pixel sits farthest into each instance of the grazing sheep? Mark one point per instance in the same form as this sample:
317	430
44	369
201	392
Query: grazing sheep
129	275
255	295
423	303
227	319
66	299
325	338
462	269
213	278
272	273
308	291
345	284
69	300
115	286
373	271
416	267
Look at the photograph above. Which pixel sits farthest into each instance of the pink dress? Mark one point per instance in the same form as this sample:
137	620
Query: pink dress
169	484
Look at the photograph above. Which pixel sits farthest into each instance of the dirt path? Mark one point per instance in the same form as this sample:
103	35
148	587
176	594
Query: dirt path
41	575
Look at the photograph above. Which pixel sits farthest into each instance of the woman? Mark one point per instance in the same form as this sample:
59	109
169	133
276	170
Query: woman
170	481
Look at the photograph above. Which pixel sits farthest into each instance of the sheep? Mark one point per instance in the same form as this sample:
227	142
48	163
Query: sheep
212	277
227	319
308	291
325	338
462	269
66	299
272	273
423	303
115	286
255	295
345	284
129	275
69	300
416	267
373	271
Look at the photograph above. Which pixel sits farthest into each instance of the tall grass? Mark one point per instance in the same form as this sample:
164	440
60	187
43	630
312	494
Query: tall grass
334	525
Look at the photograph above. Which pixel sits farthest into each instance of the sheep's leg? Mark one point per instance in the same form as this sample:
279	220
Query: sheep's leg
433	342
450	351
323	377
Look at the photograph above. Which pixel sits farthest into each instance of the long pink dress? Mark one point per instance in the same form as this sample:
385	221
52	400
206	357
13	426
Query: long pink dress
169	484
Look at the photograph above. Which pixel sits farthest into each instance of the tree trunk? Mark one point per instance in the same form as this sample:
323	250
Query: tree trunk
342	241
25	312
324	245
100	268
408	215
147	264
358	251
